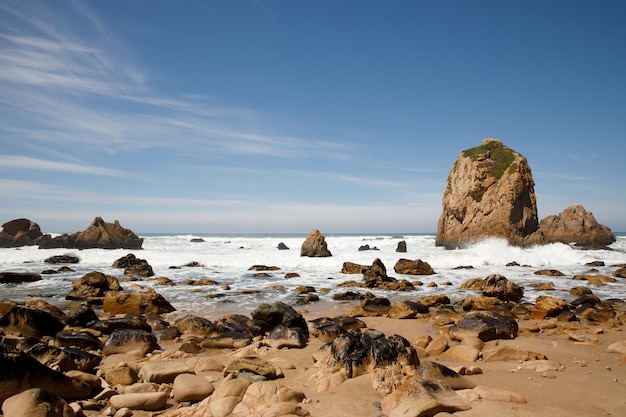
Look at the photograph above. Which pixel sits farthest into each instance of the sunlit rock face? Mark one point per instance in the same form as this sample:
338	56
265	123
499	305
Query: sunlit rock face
489	193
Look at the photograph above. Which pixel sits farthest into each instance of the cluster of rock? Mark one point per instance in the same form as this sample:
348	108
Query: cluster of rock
79	361
49	357
375	276
99	234
490	193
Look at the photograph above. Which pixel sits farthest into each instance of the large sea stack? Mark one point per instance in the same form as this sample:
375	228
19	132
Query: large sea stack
490	193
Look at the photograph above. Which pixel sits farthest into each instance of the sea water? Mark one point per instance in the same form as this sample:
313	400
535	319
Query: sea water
227	259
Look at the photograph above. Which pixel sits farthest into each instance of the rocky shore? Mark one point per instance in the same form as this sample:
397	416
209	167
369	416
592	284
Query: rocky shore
123	353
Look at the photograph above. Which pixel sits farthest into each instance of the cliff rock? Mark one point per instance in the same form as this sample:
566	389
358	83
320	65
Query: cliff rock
314	245
490	193
99	234
573	225
19	232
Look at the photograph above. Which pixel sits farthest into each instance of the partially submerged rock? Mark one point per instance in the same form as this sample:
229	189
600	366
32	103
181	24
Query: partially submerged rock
99	234
573	225
314	245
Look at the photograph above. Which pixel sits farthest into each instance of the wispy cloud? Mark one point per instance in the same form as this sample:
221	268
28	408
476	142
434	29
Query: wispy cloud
24	162
68	85
369	182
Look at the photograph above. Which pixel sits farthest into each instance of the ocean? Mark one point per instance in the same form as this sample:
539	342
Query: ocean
227	258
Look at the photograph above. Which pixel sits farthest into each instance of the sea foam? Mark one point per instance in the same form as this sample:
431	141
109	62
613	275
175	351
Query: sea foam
227	259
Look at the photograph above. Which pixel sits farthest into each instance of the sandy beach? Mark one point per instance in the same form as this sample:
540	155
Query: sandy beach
578	378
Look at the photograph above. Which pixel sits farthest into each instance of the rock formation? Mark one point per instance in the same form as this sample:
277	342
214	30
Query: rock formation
99	234
314	245
19	232
574	224
490	193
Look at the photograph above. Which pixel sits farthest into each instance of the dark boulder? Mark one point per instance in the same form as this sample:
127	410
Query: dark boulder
282	246
18	277
327	329
486	326
81	316
62	259
77	339
134	266
19	372
26	322
269	316
64	359
282	336
401	248
108	326
359	353
127	340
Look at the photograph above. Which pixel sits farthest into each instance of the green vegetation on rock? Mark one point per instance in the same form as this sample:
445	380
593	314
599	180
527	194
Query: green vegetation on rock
499	160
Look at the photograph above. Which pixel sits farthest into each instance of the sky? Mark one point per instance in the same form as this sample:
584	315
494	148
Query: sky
284	116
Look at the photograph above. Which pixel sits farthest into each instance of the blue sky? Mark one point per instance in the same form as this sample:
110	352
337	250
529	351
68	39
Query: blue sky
283	116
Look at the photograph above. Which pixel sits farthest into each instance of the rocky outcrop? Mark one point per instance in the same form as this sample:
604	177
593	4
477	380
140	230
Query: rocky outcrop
490	193
315	245
19	232
99	234
573	225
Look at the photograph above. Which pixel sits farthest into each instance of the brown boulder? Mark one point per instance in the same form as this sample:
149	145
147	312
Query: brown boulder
500	287
99	234
415	398
490	193
573	225
136	303
19	232
18	277
416	267
36	402
315	245
92	284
